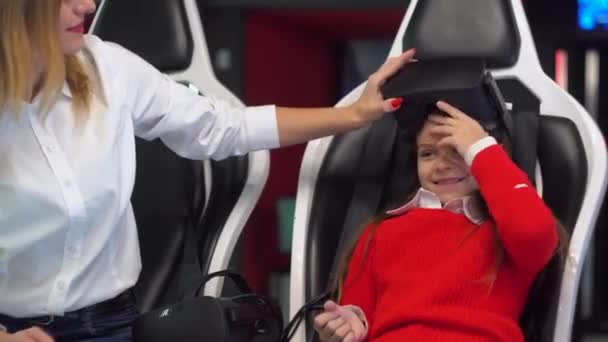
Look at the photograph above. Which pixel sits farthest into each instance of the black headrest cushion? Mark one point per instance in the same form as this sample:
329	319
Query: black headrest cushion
156	30
486	29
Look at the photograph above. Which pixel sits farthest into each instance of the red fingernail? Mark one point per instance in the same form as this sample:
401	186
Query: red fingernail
396	103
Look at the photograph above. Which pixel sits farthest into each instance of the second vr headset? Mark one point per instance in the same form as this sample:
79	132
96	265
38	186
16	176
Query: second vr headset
464	83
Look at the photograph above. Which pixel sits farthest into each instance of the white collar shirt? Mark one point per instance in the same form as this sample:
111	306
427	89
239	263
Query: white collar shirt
469	206
68	237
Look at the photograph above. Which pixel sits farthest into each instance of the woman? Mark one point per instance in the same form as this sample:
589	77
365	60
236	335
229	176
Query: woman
457	260
70	106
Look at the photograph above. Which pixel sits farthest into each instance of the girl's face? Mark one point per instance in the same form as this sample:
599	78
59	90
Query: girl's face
441	169
71	24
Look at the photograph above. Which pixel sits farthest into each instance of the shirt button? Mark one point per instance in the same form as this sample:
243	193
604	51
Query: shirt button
67	183
72	250
50	148
61	286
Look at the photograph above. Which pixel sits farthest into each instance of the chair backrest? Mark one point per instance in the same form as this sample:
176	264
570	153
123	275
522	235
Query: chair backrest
555	141
190	213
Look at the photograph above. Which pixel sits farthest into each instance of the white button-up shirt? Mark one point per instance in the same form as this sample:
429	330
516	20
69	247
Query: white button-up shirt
67	232
469	206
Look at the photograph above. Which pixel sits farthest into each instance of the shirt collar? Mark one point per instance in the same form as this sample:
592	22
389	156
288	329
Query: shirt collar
65	90
469	206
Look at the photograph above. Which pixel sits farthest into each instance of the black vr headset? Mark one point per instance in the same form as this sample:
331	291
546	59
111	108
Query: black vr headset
245	317
463	83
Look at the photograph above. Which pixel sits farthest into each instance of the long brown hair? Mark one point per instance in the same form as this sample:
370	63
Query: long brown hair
411	186
29	37
409	139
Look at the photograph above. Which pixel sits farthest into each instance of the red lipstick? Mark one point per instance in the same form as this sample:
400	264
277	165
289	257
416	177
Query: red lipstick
77	29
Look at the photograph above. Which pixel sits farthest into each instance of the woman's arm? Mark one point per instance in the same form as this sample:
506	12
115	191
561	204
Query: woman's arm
297	125
202	127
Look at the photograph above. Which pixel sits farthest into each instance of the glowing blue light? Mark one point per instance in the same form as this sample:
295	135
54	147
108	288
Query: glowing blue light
593	14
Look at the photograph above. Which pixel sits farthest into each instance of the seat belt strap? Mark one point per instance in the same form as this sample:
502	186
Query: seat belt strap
372	173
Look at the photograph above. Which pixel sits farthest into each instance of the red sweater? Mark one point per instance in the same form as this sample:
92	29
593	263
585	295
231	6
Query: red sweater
424	275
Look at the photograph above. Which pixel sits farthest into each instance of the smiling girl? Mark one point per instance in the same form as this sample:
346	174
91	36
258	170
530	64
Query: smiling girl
457	260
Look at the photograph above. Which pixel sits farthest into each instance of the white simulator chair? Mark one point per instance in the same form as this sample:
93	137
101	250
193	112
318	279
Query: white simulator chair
556	142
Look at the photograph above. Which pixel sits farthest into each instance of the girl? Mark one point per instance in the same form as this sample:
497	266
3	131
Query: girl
70	106
456	262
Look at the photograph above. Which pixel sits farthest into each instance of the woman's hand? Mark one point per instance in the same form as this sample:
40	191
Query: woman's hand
460	131
298	125
338	323
29	335
371	105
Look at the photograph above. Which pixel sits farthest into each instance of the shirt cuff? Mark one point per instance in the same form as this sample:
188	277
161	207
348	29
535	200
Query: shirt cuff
262	128
3	328
357	310
477	147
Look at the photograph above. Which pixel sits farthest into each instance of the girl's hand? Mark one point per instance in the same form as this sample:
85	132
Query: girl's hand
338	323
460	131
371	105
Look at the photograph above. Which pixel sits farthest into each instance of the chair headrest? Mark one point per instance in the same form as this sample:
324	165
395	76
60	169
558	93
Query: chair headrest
486	29
156	30
465	84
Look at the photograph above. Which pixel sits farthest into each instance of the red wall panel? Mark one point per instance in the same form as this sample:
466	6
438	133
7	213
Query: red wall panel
291	60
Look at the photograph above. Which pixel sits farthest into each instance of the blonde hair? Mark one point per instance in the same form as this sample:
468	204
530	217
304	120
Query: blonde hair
28	38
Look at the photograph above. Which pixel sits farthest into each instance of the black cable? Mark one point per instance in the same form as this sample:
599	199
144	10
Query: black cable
313	305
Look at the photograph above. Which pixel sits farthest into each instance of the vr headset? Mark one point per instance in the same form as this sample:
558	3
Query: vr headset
463	83
244	317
